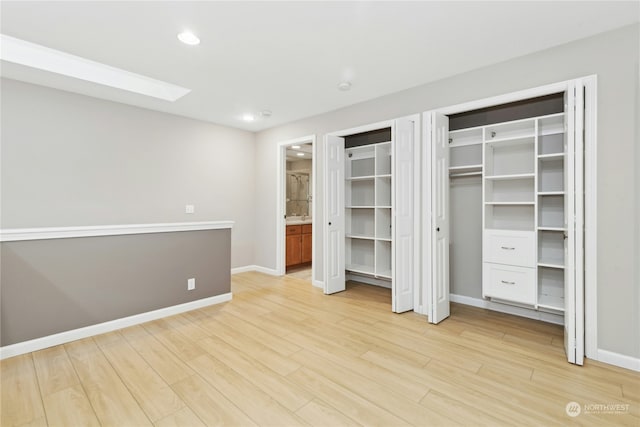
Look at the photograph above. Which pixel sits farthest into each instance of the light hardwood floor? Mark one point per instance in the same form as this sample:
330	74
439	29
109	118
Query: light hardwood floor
283	354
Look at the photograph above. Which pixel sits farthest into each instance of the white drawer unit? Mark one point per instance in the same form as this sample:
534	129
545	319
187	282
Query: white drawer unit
510	247
509	283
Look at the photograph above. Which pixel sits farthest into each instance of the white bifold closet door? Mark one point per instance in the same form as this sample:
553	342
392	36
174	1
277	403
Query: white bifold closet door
574	224
438	141
334	215
404	230
405	274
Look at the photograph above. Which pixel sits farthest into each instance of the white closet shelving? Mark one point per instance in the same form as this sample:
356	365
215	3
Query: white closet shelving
523	198
465	148
550	225
368	200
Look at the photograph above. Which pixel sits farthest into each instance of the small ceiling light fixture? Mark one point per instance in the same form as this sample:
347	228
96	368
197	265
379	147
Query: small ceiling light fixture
265	113
295	147
187	37
300	154
344	86
248	117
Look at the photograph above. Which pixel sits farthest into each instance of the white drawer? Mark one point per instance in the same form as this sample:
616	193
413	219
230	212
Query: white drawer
510	247
517	284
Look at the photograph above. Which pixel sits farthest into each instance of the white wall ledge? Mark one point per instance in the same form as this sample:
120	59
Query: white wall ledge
43	233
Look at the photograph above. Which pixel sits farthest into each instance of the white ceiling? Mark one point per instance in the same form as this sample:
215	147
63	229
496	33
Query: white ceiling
288	57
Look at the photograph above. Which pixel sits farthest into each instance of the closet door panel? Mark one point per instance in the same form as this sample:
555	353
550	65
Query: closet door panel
334	215
403	269
439	306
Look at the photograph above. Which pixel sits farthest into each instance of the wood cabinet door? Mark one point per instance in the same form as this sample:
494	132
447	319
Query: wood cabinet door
294	250
306	247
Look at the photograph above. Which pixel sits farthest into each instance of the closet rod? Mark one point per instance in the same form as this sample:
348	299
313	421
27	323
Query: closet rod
455	175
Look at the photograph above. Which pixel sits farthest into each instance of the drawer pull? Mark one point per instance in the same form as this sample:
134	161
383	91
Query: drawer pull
508	283
507	248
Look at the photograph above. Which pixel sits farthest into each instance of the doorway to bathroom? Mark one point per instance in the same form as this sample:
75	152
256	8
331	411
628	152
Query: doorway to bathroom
295	227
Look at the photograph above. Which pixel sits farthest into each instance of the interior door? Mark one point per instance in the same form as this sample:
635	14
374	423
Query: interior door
334	215
574	224
404	268
438	129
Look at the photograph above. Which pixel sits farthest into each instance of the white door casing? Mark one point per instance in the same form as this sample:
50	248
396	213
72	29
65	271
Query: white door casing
439	137
334	215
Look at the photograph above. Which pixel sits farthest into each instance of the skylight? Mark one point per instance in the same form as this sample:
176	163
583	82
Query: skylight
37	56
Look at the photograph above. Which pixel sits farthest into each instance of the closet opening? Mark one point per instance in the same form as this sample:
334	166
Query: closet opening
493	152
371	201
506	208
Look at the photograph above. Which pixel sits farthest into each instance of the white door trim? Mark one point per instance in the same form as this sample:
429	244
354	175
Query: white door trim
590	241
281	203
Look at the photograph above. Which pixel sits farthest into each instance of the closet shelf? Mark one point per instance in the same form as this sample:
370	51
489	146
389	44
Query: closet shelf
512	176
510	203
360	207
512	140
551	156
550	302
386	175
550	193
465	144
359	268
544	228
361	178
466	168
359	236
551	263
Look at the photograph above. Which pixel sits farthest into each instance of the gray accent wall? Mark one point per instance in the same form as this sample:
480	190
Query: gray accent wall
72	160
613	56
465	247
56	285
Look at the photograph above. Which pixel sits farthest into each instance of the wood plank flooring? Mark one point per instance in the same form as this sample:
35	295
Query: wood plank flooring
283	354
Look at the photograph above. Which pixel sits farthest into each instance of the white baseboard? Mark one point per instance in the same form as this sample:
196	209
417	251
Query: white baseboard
112	325
318	283
618	359
260	269
509	309
244	269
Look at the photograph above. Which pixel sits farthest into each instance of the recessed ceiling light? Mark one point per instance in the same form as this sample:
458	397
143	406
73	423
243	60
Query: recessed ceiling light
187	37
300	154
295	147
248	117
344	86
55	61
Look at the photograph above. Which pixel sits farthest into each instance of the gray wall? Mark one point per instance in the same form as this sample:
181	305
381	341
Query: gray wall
71	160
51	286
465	249
613	56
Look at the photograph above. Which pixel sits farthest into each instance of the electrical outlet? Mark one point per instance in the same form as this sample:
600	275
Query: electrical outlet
189	209
191	284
